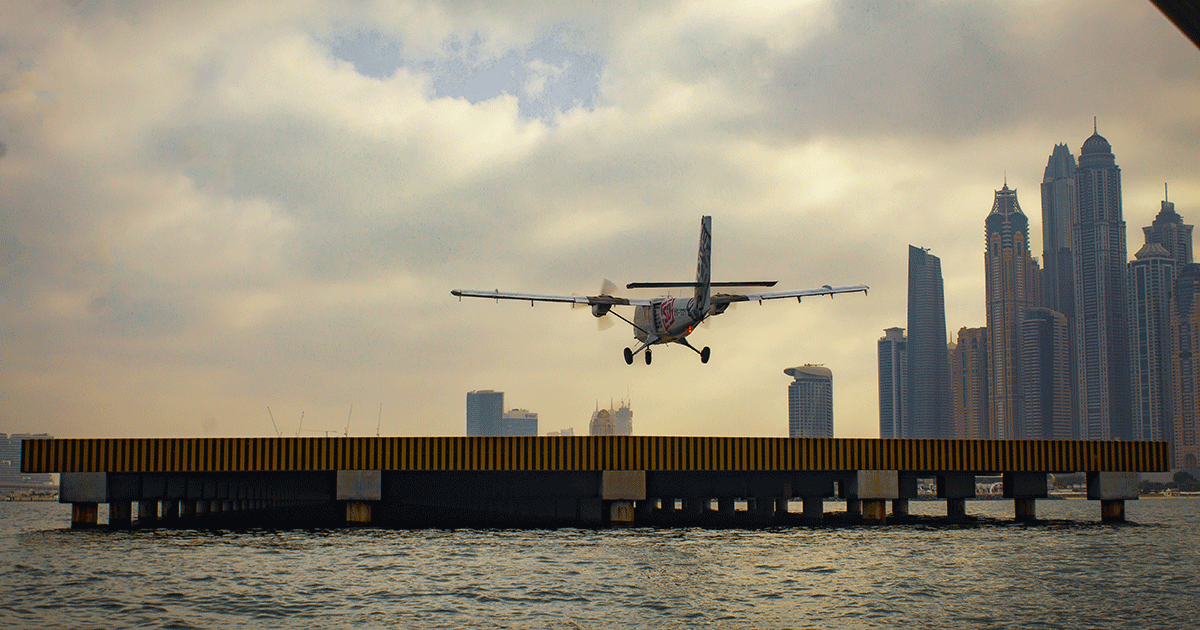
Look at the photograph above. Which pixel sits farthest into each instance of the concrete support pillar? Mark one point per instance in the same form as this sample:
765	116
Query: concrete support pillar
781	507
956	488
874	511
358	513
956	508
814	508
84	515
1025	488
621	488
725	507
693	507
170	509
187	508
643	510
1112	510
147	512
120	514
621	513
868	491
764	507
1112	489
900	507
1025	509
84	491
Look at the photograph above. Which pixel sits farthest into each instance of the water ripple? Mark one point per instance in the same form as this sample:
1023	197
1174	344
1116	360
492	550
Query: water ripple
1065	571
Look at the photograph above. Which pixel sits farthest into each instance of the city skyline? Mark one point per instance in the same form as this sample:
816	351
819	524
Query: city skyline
217	210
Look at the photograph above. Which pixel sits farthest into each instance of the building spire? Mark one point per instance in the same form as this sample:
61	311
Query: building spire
1165	197
1095	126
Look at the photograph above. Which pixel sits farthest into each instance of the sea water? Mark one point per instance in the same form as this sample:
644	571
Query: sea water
1065	571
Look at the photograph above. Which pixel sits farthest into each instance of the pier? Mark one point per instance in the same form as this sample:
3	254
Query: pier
582	481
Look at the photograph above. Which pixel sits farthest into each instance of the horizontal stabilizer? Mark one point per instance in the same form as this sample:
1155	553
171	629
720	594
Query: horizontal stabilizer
674	285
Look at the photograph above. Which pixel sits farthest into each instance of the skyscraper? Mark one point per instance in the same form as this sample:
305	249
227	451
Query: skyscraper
928	363
1012	284
1185	364
1169	231
612	421
1101	312
519	422
969	384
810	401
893	384
1044	380
485	410
1059	213
1151	280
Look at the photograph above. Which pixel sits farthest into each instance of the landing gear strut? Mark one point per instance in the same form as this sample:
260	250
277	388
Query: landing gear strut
704	354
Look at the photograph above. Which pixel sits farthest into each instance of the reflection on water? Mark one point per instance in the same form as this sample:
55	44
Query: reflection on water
1065	571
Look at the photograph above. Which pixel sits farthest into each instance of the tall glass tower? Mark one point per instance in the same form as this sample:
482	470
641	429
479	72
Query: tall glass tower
1013	285
485	412
893	384
1185	365
1044	380
1060	213
929	413
1101	312
1151	280
969	384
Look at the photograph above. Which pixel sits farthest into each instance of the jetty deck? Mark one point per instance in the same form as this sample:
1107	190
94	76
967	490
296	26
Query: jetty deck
559	481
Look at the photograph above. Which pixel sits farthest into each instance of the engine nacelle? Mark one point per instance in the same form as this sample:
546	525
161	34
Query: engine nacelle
600	310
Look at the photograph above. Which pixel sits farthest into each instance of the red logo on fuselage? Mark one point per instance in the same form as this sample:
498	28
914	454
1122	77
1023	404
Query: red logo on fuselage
668	313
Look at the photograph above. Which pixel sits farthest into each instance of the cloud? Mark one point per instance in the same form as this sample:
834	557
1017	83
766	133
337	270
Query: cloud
209	211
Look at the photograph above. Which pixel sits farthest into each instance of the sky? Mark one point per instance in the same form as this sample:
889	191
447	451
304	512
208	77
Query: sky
212	209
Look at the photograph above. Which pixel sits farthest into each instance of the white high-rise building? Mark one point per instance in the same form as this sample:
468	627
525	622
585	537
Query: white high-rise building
810	401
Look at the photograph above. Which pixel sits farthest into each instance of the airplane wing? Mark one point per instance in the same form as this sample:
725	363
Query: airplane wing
725	298
541	297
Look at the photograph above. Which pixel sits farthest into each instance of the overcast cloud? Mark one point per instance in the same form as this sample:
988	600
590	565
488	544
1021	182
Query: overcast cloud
211	210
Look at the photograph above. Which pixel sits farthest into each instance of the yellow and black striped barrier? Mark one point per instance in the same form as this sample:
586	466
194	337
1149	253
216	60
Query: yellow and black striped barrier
584	453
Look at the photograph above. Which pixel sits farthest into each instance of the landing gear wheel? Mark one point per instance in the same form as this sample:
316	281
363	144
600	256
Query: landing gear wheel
647	356
704	355
628	356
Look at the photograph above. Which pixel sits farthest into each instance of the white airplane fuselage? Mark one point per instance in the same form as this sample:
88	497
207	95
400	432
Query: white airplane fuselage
667	319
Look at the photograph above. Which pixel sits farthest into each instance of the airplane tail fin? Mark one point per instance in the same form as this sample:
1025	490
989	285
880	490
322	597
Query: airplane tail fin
703	267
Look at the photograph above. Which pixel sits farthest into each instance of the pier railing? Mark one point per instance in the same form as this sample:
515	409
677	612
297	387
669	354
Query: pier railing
587	453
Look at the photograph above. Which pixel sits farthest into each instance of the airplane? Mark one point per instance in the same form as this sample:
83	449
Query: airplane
667	319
